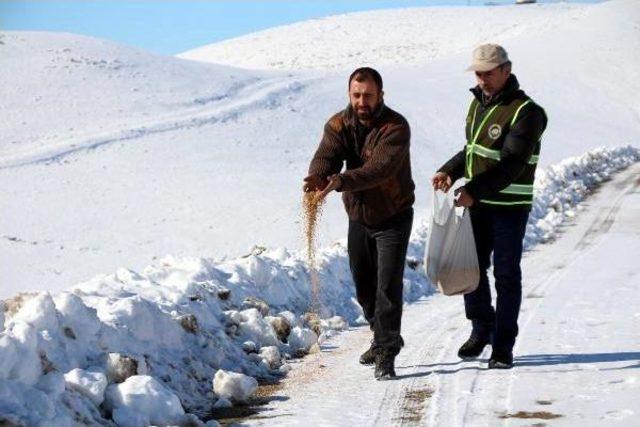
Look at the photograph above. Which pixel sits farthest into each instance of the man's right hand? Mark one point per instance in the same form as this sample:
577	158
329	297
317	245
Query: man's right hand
314	183
441	181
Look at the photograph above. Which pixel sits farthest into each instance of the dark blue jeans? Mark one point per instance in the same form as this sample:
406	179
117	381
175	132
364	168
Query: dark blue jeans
377	256
499	231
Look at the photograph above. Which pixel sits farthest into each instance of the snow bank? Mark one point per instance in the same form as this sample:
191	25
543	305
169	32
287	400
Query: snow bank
91	384
234	386
302	339
143	400
560	188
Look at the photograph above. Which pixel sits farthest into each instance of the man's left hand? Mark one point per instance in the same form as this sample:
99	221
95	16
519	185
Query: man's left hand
463	198
334	182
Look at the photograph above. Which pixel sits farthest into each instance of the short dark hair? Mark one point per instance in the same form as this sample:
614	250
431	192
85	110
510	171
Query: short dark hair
366	73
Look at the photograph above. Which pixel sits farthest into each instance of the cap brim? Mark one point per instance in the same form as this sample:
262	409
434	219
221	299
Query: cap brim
482	67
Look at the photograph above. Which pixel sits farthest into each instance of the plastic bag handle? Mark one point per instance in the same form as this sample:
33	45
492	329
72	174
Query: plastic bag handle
439	216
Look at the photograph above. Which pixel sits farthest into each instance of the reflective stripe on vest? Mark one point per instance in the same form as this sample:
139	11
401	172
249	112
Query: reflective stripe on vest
493	202
523	189
470	147
495	154
515	116
518	189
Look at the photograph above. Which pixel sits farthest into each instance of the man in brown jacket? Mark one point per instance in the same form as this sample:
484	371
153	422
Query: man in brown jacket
378	195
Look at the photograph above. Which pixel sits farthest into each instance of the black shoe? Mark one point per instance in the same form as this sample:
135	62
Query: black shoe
473	347
369	356
385	361
501	359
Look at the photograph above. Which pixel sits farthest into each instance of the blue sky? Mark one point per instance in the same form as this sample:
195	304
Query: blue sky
170	27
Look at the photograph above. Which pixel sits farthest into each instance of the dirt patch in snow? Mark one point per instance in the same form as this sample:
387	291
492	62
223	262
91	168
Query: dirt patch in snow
414	403
13	305
540	415
253	409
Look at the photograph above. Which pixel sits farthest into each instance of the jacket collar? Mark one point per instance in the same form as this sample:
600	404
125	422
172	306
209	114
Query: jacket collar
506	94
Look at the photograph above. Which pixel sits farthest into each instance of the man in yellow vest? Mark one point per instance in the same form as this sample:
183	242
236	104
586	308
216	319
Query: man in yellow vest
503	132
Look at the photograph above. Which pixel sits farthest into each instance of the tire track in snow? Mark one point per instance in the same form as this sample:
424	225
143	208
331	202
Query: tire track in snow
407	407
605	219
459	400
449	336
264	93
450	407
492	385
599	226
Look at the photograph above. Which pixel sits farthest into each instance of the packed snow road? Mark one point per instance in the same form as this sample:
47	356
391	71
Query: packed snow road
577	358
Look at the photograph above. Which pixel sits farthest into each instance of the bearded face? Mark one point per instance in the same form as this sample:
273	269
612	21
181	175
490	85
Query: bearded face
365	98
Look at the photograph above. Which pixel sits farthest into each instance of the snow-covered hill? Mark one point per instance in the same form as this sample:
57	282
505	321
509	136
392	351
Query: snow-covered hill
401	37
126	156
61	90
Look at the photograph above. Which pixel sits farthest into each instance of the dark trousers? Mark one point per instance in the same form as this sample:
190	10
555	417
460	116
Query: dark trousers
377	257
497	230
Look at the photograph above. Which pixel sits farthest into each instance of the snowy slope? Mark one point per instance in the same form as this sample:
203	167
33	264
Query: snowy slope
181	164
62	90
404	37
96	197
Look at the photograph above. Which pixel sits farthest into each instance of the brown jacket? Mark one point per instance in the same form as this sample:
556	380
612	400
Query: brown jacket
377	183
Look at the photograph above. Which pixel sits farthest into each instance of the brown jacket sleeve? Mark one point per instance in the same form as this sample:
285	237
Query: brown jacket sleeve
330	155
385	159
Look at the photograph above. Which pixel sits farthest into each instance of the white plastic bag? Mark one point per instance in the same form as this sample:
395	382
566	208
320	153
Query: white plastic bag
440	218
451	260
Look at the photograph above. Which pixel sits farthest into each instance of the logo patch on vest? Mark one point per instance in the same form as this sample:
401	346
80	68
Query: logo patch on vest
495	130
